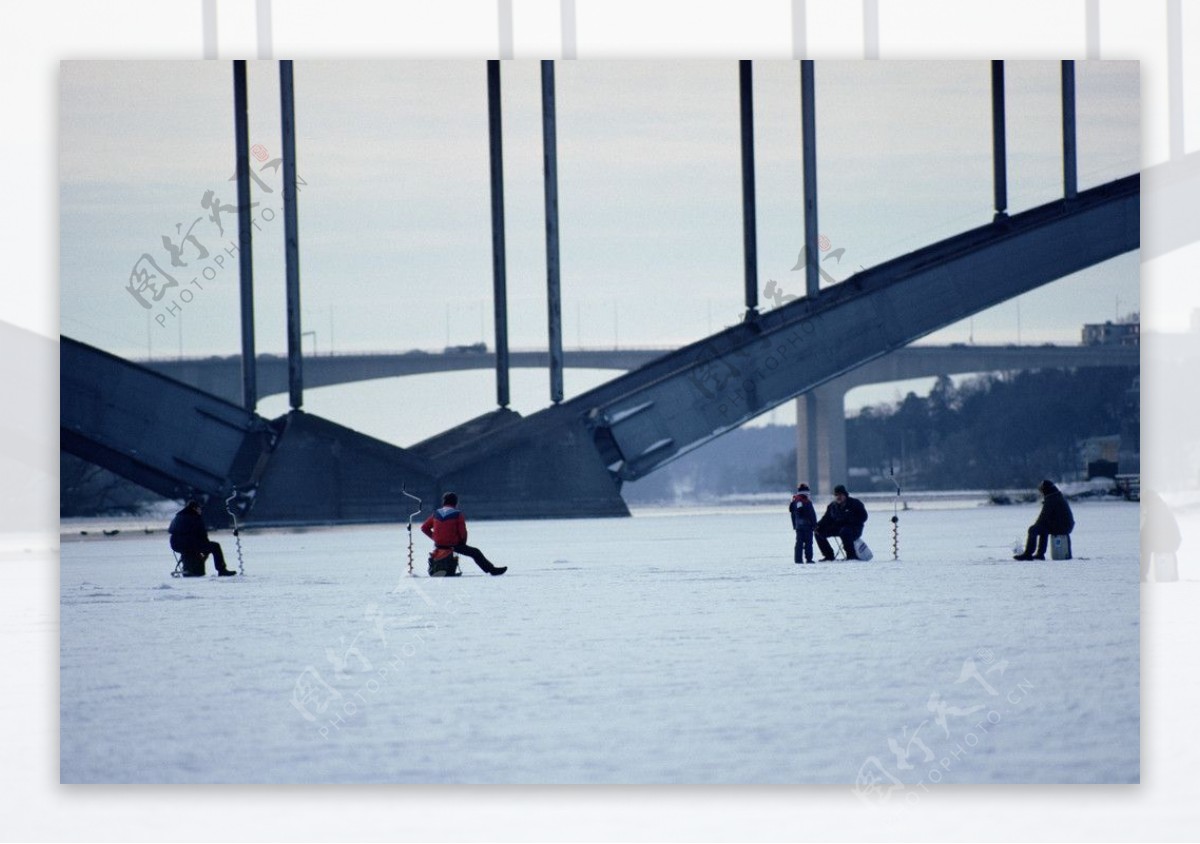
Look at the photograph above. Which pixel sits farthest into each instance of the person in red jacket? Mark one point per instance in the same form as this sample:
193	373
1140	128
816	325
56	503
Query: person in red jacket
447	527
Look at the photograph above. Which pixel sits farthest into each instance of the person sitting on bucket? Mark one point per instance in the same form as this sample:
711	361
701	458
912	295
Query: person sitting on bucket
1055	519
189	536
844	518
447	527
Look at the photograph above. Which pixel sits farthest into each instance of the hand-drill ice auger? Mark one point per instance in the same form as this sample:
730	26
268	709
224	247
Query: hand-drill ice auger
895	517
410	539
236	530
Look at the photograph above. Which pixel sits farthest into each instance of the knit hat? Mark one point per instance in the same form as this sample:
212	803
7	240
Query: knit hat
840	490
802	488
1046	487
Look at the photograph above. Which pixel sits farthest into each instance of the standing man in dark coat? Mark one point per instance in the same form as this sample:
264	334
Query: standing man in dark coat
1056	519
804	521
189	536
844	518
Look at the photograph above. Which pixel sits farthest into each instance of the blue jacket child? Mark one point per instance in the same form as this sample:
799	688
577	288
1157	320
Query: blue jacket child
804	520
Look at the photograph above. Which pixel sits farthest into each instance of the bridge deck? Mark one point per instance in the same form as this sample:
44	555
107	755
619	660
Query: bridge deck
568	460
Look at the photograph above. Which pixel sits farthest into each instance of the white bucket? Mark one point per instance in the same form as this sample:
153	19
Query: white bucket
1060	547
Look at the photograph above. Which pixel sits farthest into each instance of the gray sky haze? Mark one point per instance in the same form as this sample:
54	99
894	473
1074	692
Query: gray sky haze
394	216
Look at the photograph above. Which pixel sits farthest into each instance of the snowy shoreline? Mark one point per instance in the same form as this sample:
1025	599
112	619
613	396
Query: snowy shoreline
156	520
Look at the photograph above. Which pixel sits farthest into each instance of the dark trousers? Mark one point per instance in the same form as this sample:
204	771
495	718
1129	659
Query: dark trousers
476	555
846	534
1036	540
804	541
204	548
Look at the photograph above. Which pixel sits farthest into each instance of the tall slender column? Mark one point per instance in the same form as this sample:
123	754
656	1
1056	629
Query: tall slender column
1070	168
999	164
241	133
553	290
808	132
749	221
291	237
499	269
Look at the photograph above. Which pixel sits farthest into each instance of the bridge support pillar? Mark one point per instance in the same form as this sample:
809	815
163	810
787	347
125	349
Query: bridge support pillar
291	253
821	438
553	285
1070	167
999	155
499	267
749	203
808	128
241	124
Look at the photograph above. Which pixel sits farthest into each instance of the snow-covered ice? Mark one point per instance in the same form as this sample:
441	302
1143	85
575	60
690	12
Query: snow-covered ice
673	647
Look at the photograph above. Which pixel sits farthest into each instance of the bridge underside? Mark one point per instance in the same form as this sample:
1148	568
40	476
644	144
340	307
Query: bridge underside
569	460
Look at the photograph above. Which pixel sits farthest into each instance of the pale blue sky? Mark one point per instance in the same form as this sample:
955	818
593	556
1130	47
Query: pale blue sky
394	218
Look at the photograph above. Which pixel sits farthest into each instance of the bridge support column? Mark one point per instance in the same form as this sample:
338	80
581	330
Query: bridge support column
499	271
245	256
807	446
832	401
1070	169
999	160
553	289
749	211
808	129
821	438
291	237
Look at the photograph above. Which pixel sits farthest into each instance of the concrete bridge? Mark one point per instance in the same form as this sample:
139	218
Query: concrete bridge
824	434
222	376
571	458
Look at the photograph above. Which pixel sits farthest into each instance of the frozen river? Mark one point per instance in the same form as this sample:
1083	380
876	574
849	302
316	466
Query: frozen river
667	648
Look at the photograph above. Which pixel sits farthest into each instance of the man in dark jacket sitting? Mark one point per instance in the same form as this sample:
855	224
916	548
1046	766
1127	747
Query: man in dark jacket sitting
1056	519
844	518
189	536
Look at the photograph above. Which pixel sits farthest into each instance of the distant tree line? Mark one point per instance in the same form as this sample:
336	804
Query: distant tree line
87	490
996	431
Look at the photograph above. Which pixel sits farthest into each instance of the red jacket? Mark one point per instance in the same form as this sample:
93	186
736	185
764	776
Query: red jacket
446	527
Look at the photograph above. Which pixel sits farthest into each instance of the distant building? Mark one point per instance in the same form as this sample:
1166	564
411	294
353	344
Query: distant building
1125	333
1100	456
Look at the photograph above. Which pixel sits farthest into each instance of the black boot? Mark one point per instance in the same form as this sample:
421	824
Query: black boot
1031	548
1042	542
